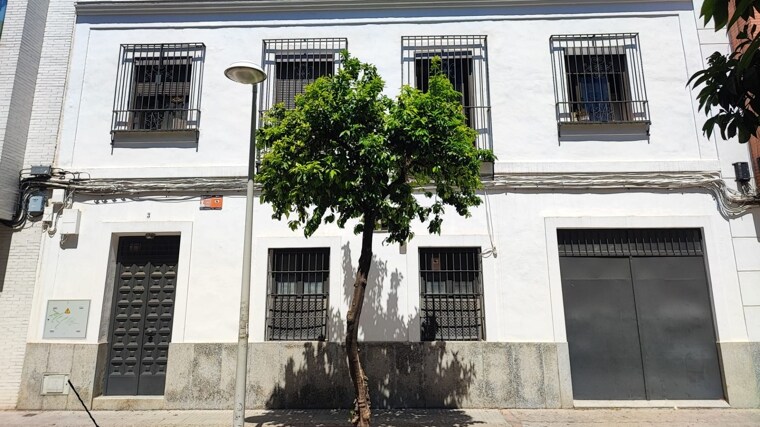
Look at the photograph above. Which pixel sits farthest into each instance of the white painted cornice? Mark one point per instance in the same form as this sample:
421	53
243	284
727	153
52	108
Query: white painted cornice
156	7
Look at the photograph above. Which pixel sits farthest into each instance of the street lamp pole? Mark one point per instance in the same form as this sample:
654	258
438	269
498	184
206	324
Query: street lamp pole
252	74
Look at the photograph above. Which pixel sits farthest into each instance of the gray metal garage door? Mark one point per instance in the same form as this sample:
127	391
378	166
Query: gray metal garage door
638	315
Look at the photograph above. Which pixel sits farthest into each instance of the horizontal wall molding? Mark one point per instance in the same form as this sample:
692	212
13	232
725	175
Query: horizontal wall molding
156	7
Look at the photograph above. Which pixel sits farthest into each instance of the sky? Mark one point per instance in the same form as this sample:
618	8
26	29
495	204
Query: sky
2	10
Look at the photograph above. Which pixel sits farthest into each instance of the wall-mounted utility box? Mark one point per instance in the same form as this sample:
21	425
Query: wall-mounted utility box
68	223
66	319
55	384
741	171
36	205
41	171
58	197
49	214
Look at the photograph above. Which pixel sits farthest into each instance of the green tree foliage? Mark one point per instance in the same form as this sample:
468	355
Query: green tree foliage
347	152
730	82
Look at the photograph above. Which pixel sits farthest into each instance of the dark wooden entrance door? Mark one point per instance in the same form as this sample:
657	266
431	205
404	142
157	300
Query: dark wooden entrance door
142	314
638	315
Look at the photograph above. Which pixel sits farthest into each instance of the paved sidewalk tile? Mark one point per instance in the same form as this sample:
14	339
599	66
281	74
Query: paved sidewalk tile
633	417
280	418
395	418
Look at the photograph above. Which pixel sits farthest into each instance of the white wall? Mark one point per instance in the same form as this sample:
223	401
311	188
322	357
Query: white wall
522	297
745	229
524	124
521	286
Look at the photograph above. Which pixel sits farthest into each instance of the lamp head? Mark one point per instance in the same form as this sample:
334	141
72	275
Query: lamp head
245	72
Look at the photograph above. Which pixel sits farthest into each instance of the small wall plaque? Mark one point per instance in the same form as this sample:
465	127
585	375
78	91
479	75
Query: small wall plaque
211	203
66	319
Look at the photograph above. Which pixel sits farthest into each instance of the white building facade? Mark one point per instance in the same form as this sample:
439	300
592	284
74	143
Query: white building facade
612	259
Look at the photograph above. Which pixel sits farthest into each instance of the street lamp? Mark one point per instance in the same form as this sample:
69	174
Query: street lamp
251	74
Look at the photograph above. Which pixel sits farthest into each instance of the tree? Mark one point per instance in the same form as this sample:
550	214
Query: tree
731	81
347	152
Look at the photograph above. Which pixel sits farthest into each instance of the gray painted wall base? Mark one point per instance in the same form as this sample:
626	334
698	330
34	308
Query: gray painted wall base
401	375
741	373
315	375
80	361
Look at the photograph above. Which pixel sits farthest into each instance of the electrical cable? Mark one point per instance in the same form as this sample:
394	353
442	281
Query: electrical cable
730	202
489	226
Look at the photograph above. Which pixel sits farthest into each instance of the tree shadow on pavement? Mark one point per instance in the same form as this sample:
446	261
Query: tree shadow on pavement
380	418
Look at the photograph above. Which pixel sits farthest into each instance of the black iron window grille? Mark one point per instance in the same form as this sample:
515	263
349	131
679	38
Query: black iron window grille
630	242
599	78
464	60
298	285
292	64
451	296
158	87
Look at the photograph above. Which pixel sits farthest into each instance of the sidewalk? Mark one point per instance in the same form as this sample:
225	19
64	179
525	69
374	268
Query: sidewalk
396	418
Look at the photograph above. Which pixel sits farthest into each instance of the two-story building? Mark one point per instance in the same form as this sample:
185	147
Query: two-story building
614	259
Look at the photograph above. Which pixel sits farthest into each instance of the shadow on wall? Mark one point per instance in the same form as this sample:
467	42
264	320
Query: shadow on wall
401	374
379	322
6	234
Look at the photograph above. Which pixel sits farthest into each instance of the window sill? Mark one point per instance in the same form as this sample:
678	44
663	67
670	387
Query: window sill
182	138
486	171
604	131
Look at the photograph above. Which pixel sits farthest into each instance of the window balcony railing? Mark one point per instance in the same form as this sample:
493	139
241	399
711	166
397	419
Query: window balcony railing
293	64
158	88
464	60
599	79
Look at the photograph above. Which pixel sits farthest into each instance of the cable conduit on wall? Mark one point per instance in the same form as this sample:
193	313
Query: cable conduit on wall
730	202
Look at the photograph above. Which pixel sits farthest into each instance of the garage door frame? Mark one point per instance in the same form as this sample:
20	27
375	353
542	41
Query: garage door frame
649	287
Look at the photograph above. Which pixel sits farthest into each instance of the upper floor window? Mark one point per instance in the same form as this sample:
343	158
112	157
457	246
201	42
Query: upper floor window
297	294
158	87
292	64
599	79
451	296
464	61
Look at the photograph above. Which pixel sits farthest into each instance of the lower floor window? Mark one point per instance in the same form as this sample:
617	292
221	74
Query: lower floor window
451	296
297	294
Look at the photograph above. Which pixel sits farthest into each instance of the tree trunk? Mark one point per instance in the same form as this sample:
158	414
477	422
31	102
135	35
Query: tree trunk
362	411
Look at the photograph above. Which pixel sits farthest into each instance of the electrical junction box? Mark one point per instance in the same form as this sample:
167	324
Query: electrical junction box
36	205
47	215
55	384
58	197
741	171
41	171
66	319
68	223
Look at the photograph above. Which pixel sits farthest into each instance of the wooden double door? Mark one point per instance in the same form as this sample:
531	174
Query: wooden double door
142	315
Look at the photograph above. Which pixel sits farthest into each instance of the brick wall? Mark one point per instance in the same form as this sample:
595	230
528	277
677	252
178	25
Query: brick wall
754	142
20	48
19	251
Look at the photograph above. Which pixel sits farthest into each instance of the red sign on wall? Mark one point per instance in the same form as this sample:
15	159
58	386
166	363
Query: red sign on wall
211	203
